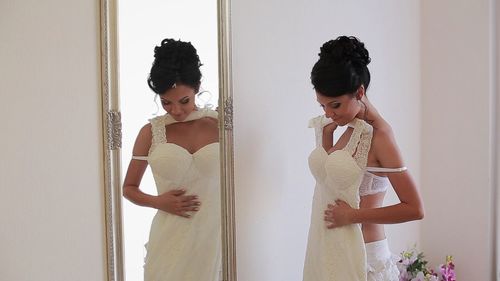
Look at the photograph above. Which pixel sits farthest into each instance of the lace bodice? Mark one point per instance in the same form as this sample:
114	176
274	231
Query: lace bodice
342	168
371	184
159	123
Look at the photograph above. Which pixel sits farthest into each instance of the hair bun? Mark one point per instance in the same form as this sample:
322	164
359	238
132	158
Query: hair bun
175	62
175	54
345	49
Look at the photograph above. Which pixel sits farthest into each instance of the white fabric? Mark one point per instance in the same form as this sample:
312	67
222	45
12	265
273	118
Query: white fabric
337	254
185	249
142	158
385	170
381	263
372	184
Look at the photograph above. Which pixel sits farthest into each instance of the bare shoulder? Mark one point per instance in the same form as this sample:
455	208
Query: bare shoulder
145	132
209	122
143	141
385	147
383	135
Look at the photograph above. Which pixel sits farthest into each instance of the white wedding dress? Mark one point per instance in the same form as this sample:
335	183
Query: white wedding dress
185	249
337	254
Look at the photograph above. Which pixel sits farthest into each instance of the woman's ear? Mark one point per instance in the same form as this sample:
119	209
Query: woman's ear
360	92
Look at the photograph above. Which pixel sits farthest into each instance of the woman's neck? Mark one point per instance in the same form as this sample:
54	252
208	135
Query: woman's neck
370	114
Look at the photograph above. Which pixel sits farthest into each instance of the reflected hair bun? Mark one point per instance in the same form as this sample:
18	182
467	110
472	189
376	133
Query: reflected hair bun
176	62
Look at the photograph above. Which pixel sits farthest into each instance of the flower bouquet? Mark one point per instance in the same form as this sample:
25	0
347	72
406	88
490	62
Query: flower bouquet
413	267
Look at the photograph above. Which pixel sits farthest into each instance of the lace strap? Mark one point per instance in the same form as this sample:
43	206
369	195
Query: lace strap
364	145
355	136
158	131
318	123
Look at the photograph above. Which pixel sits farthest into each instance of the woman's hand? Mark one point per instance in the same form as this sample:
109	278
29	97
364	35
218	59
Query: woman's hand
177	203
339	214
327	139
330	128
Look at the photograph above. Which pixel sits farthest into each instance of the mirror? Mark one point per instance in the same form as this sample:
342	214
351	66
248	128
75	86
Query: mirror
129	34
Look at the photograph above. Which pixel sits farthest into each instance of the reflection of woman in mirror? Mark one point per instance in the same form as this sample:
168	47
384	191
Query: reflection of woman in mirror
346	236
182	149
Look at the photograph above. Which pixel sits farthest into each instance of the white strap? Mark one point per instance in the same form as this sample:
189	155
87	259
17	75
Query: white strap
144	158
353	142
318	123
385	170
364	145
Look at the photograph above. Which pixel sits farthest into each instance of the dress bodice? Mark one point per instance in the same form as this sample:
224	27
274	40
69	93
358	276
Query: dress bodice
173	165
341	171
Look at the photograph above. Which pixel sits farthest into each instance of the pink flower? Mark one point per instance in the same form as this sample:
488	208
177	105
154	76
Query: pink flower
447	270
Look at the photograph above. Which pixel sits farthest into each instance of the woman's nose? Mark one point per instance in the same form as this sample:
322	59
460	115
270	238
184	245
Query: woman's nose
176	109
329	113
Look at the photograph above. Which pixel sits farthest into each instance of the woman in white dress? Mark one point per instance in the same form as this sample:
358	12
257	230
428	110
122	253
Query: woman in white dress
183	151
346	237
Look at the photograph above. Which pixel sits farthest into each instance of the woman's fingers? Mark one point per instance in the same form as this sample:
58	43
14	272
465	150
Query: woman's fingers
188	198
183	214
177	192
189	203
191	209
184	204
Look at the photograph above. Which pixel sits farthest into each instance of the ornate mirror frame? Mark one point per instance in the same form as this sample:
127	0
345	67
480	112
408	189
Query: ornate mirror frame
111	119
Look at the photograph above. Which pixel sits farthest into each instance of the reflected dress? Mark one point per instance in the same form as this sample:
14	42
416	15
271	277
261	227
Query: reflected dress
185	249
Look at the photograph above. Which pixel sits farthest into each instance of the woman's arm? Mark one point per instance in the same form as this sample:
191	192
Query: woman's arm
410	206
328	140
174	201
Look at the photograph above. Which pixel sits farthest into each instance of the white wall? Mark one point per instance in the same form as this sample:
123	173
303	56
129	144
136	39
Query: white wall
496	117
274	48
50	176
456	119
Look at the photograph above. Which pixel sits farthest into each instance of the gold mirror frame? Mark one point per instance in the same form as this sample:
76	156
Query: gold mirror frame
111	119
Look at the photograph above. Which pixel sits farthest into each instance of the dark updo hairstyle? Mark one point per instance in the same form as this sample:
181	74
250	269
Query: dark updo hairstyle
341	68
176	62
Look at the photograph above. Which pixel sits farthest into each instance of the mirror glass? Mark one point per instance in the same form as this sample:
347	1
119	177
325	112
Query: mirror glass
142	26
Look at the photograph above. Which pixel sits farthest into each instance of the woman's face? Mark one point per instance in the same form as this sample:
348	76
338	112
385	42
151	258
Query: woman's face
342	109
179	101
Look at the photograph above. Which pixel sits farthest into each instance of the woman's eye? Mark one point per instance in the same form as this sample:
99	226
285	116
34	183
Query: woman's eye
335	105
185	101
165	103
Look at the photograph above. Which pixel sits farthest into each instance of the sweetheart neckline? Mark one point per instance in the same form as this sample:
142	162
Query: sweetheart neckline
341	150
328	154
370	173
184	149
